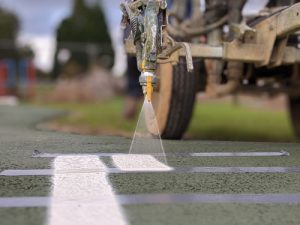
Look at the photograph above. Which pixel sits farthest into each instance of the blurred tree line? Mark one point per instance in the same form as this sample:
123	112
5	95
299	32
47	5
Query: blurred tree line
9	27
82	39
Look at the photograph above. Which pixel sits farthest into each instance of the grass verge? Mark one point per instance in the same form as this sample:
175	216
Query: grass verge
214	121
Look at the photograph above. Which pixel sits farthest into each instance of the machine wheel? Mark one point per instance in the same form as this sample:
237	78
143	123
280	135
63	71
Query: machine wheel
174	99
294	105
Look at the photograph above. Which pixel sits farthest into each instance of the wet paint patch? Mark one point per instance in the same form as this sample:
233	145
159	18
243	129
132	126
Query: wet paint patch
141	163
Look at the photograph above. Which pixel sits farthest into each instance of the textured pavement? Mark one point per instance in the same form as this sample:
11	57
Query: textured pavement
19	138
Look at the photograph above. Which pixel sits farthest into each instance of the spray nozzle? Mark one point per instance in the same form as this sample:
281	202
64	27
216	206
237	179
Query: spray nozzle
148	81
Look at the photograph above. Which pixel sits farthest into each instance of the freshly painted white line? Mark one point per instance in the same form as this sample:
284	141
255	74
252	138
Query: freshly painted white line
134	162
38	154
83	196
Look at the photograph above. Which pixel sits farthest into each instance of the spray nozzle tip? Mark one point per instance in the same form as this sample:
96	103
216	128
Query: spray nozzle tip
148	80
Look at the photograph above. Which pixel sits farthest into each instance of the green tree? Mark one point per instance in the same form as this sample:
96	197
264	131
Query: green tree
85	25
9	26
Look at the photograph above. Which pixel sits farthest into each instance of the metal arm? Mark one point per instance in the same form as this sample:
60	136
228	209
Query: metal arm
143	17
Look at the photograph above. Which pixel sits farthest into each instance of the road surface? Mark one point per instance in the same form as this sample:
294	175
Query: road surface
57	178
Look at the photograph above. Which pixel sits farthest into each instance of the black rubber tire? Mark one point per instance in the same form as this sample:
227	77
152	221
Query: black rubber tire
294	105
178	112
182	102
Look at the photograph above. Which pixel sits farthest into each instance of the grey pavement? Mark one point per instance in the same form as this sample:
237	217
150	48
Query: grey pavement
165	197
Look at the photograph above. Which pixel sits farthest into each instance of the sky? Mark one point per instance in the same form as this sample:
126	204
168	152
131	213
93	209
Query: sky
40	18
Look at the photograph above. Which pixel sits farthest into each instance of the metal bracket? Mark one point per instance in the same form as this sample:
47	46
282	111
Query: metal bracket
263	45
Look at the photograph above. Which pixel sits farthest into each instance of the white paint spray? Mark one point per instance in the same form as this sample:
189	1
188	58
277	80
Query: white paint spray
132	162
146	139
83	196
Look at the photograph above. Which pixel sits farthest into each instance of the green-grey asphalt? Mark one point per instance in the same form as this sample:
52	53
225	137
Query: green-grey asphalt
20	137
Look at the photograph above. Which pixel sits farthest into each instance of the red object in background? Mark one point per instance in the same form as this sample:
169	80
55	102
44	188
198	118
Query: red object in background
31	78
3	78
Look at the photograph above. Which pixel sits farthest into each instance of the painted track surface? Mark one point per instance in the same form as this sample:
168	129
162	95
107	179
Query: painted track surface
159	190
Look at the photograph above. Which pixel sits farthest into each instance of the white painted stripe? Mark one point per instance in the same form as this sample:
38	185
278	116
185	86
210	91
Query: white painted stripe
37	172
140	199
239	154
37	154
83	196
134	162
160	169
24	202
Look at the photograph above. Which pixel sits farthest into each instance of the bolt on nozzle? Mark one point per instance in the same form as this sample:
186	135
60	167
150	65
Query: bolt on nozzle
147	81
